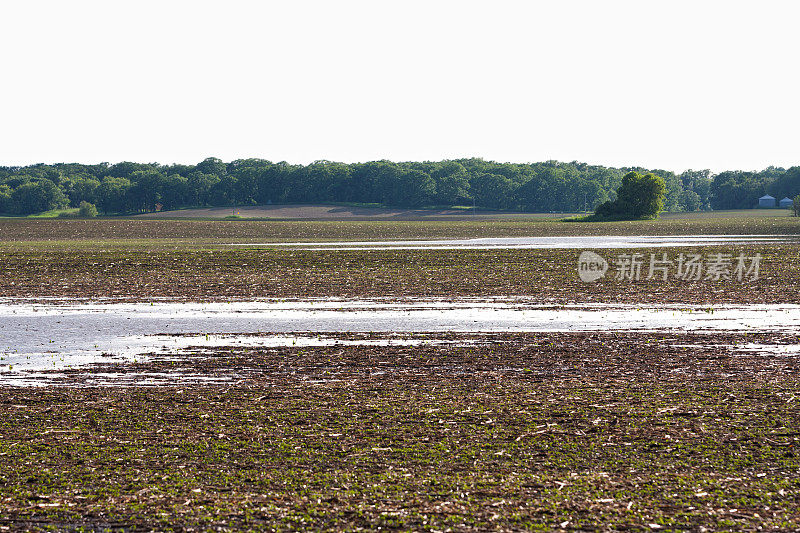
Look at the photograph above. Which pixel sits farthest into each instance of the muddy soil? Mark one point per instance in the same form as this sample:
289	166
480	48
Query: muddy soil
548	431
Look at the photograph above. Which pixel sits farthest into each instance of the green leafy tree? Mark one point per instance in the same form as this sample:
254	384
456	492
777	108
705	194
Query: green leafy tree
493	191
112	194
453	189
147	189
224	191
641	196
199	187
174	191
673	189
415	189
83	188
37	196
212	165
275	182
87	210
690	201
378	180
698	182
537	193
126	168
5	199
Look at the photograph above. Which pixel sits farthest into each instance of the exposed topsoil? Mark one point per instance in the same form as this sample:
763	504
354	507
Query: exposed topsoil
210	231
552	431
543	276
336	212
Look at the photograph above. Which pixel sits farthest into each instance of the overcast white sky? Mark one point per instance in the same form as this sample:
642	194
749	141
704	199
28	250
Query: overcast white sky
675	85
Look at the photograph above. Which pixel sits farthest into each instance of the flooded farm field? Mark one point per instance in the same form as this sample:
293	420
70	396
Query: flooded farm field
404	388
42	340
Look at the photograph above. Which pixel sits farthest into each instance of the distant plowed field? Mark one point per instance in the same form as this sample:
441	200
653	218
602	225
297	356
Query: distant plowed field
336	212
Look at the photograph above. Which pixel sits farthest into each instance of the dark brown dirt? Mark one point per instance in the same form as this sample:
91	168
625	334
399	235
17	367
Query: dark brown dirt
545	276
550	432
337	212
209	231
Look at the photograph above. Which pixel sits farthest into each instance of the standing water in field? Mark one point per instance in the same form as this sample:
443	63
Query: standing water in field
567	242
36	336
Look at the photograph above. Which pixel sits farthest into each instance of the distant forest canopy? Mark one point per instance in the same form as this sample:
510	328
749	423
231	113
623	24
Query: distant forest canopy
536	187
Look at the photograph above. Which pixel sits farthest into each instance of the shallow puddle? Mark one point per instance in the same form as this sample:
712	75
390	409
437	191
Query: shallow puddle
768	349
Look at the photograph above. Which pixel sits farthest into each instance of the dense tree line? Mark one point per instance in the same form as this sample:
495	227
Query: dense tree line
741	190
537	187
